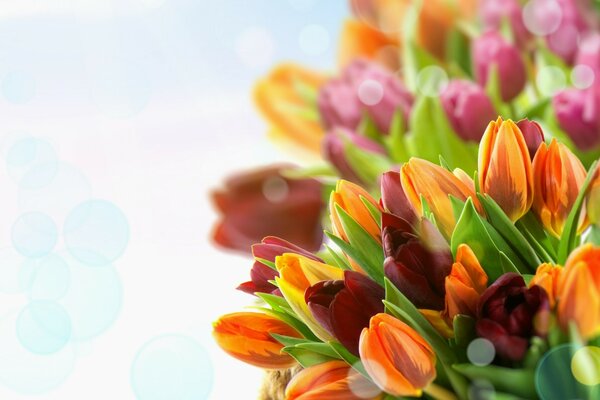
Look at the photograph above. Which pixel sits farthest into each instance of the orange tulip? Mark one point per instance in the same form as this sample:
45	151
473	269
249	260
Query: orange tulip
593	201
558	176
465	284
398	360
360	40
247	337
579	291
332	380
287	99
505	171
547	276
348	196
423	178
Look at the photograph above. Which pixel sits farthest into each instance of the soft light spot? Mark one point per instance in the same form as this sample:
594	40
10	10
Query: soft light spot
370	92
481	352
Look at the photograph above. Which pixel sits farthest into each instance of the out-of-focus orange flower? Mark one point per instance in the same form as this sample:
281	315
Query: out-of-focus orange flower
332	380
287	99
547	276
247	337
360	40
465	284
579	291
423	178
558	176
505	171
396	357
593	201
348	196
296	274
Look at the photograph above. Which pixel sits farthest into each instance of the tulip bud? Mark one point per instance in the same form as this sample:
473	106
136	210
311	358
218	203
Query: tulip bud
491	51
347	195
505	171
494	12
393	199
396	357
547	277
335	380
364	87
468	109
423	178
533	134
579	292
334	147
558	176
285	106
247	337
577	114
593	201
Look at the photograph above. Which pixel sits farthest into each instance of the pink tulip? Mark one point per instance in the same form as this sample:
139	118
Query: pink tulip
577	114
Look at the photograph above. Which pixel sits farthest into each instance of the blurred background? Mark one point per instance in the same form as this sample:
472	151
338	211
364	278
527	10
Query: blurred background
118	118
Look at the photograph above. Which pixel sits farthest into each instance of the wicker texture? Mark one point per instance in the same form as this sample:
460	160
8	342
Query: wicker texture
275	382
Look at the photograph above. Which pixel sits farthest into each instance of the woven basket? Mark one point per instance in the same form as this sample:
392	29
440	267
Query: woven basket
275	382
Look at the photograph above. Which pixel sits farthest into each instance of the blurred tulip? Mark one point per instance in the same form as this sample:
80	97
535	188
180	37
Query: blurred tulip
261	274
593	201
588	54
468	109
510	314
393	199
547	277
494	12
335	152
505	171
464	285
360	40
345	307
558	176
348	196
491	50
247	337
296	274
579	292
332	380
423	178
396	357
577	114
286	98
363	87
533	134
262	202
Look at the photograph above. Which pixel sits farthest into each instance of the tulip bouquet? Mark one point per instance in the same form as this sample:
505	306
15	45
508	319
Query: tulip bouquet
456	284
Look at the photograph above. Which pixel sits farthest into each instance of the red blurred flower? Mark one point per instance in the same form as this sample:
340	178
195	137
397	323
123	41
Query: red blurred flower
259	203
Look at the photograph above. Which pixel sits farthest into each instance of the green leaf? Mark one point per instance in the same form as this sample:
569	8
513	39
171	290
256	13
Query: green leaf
374	211
319	348
288	341
464	330
268	263
459	50
367	165
593	235
292	321
277	303
368	128
507	264
568	240
519	382
315	171
338	260
350	358
306	358
395	141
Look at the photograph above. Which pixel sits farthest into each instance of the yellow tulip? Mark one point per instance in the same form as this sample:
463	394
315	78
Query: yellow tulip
348	196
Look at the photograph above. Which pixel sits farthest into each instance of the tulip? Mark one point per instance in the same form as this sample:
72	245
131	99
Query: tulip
588	54
464	285
296	274
579	292
247	337
393	199
332	380
396	357
262	275
558	176
345	307
282	99
593	201
505	171
423	178
348	196
334	148
510	314
468	109
360	40
576	111
533	134
547	277
494	12
344	101
491	51
263	202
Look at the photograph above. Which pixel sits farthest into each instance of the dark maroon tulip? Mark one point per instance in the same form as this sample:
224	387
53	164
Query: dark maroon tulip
363	87
334	149
533	133
492	50
344	308
263	202
261	274
577	114
393	199
510	314
494	12
468	109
